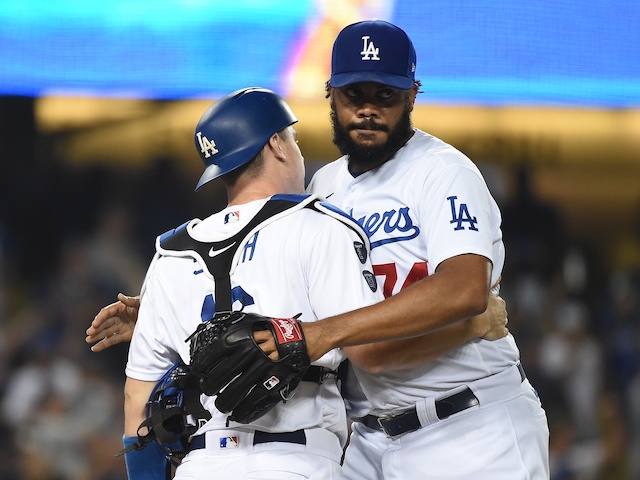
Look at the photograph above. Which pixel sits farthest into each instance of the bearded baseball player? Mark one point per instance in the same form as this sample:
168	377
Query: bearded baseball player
436	249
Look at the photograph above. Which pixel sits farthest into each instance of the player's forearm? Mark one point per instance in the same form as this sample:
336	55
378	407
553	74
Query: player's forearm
411	352
136	395
142	463
403	316
457	291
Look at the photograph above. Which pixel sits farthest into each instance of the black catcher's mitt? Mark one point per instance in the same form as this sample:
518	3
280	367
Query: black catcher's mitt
229	363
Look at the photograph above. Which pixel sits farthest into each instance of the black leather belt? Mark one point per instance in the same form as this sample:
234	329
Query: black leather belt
408	421
298	436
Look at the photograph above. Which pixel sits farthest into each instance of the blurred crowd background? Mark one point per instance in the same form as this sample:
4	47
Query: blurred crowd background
72	237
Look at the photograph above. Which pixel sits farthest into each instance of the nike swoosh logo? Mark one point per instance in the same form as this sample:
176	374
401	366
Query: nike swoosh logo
213	252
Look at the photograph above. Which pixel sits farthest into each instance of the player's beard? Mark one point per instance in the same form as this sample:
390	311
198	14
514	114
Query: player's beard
364	158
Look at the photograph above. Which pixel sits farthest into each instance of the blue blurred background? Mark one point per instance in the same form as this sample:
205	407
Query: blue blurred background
569	52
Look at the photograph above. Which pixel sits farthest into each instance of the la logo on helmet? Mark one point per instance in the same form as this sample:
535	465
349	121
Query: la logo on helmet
206	145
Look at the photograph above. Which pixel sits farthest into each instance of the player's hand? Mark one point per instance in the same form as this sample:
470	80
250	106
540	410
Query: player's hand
265	340
492	324
315	336
114	323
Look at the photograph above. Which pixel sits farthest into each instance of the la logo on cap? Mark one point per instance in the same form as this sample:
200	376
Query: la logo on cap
373	51
369	50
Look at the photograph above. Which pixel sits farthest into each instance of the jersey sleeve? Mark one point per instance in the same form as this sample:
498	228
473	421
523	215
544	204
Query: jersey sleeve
461	214
340	275
150	352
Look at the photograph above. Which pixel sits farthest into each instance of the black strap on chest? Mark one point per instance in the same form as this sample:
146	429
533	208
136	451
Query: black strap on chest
218	256
219	265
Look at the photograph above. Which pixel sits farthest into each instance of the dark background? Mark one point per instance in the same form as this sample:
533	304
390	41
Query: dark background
74	234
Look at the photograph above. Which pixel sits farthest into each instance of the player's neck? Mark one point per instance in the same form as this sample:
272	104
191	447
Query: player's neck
256	192
248	196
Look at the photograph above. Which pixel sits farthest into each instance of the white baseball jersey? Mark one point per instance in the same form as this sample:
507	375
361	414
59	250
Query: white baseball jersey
303	262
429	203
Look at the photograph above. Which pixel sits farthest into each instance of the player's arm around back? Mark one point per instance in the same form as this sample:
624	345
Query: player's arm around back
458	290
416	351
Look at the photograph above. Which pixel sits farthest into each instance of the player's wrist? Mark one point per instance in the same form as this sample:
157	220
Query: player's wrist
316	339
476	327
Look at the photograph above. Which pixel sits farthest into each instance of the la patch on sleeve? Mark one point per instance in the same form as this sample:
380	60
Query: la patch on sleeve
460	215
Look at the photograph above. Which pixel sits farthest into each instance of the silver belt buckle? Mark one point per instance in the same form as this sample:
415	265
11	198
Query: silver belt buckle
385	418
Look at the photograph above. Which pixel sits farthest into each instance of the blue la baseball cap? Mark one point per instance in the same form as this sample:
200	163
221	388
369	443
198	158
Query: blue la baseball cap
373	51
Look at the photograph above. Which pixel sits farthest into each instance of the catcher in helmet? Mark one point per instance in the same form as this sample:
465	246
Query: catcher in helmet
267	252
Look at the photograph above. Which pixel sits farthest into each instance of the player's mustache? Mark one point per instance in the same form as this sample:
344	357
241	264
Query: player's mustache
368	124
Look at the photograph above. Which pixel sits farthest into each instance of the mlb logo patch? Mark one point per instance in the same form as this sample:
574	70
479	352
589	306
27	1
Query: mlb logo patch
228	442
271	382
232	217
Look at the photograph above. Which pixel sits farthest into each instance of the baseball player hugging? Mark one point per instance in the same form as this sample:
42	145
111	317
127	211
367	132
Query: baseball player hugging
470	412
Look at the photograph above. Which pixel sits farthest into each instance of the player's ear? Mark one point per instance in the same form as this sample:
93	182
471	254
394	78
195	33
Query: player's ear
412	96
275	145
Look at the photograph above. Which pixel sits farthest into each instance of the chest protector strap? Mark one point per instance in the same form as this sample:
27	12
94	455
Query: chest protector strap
220	266
219	258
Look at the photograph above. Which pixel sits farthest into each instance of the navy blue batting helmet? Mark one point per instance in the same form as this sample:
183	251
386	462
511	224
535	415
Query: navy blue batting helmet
235	128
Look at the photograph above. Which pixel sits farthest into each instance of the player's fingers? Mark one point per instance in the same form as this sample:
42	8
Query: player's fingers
113	326
116	308
268	347
102	344
133	302
275	356
271	352
114	339
98	338
104	328
106	343
262	336
267	344
98	347
497	334
106	313
97	330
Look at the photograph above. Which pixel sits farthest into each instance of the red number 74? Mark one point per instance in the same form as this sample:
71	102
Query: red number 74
390	273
